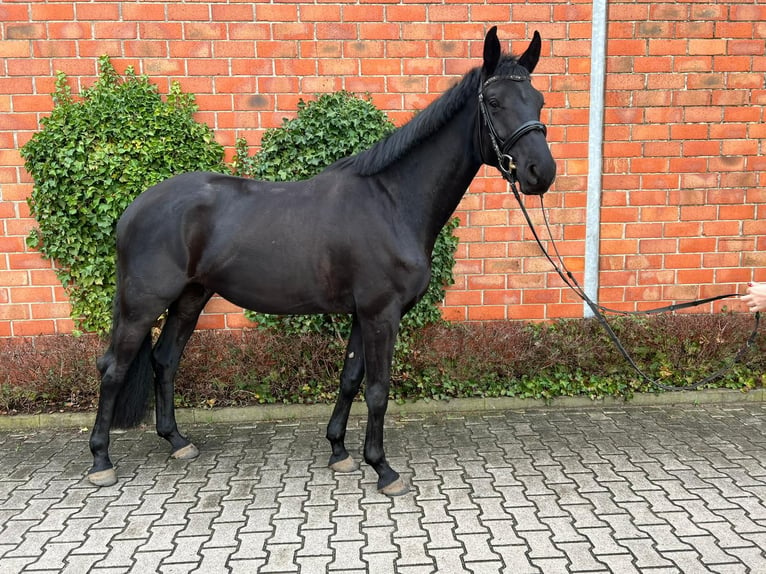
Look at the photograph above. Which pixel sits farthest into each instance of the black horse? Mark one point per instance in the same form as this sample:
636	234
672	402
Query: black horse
356	239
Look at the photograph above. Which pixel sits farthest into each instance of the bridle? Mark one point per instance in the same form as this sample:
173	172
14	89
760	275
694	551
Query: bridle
507	167
502	147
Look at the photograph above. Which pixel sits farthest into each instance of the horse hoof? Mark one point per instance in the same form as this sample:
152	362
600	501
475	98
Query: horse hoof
187	452
396	488
348	464
103	477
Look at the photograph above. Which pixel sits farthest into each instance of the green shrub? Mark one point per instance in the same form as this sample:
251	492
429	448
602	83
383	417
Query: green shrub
92	157
325	130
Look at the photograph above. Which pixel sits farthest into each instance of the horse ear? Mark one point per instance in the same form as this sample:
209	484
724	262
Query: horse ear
491	52
529	58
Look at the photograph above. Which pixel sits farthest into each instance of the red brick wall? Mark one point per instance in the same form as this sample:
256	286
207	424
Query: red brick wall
683	203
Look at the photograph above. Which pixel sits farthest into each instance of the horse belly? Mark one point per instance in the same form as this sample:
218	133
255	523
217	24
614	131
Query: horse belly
284	287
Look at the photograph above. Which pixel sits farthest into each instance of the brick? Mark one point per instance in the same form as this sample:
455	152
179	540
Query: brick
146	49
97	48
198	67
106	11
204	31
143	11
24	31
69	30
666	46
707	46
30	294
120	30
188	12
232	13
12	13
494	312
15	48
379	31
344	67
748	13
293	31
276	13
627	47
421	31
448	13
249	31
33	328
363	13
320	13
336	31
358	49
459	298
161	30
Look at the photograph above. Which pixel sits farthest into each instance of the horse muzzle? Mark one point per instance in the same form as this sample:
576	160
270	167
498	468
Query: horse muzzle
535	174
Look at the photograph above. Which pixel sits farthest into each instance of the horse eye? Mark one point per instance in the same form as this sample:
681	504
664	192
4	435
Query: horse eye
494	103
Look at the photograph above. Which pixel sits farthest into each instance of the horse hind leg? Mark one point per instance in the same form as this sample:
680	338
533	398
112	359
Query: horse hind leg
179	326
130	346
350	381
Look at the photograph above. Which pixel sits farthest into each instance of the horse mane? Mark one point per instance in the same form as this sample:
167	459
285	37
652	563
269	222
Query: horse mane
396	145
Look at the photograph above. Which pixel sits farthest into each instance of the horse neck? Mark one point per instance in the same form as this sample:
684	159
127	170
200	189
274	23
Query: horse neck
432	179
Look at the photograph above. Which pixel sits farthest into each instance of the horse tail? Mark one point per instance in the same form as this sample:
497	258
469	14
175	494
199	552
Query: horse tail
132	399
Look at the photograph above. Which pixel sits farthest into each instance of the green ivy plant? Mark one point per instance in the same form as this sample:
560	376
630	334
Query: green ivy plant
325	130
93	156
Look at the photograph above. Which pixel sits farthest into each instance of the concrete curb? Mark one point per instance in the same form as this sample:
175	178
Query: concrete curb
301	412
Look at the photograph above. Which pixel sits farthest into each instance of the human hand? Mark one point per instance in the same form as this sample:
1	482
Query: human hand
755	299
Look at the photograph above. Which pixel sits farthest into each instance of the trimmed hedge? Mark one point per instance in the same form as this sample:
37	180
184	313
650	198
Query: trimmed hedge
565	358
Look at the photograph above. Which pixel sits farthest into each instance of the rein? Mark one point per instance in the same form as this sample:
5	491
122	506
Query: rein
507	168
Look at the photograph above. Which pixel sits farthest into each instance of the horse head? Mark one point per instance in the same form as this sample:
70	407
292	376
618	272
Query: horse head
512	137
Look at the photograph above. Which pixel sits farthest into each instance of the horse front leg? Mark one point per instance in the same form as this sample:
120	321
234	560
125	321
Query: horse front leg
350	381
379	336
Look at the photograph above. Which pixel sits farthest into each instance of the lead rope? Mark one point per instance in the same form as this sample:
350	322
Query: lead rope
599	310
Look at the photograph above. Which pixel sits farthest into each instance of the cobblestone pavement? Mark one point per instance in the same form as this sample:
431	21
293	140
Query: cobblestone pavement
631	489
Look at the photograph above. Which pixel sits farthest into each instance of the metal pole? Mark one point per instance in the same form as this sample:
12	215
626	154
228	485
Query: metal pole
595	153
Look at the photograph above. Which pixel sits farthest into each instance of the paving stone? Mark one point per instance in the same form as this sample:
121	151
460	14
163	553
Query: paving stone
311	564
753	557
412	551
478	548
516	559
449	561
252	546
151	561
348	556
186	550
379	562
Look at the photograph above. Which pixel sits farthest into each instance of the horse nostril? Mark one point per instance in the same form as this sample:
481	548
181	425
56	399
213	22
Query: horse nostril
534	174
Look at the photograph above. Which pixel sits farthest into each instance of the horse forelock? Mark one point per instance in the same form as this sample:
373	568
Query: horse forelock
424	124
